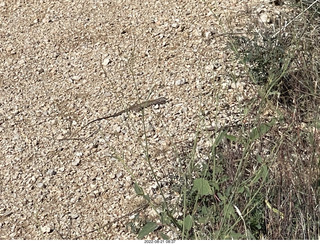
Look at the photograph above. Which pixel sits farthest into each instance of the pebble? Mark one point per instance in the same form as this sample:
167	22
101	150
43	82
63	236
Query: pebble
78	154
76	162
264	18
180	82
74	215
51	172
61	169
40	185
175	25
106	61
46	229
76	78
209	67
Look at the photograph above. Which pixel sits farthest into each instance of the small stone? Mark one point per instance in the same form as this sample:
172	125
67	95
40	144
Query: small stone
209	35
180	82
51	172
76	78
60	137
108	94
40	185
117	129
46	229
76	162
79	154
131	217
74	215
175	25
106	61
119	175
74	199
264	18
40	71
209	67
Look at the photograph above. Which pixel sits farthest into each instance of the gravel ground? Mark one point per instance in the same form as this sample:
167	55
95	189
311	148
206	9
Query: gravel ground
65	63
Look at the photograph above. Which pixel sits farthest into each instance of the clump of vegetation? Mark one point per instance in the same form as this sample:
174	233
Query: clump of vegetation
261	181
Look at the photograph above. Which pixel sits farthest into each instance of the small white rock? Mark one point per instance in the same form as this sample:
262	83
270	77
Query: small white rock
76	162
78	154
209	67
209	35
46	229
60	137
175	25
74	215
180	82
40	185
131	217
74	199
117	129
106	61
264	18
119	175
76	78
51	172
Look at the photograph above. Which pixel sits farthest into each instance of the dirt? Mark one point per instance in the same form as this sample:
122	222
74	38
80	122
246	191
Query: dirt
65	63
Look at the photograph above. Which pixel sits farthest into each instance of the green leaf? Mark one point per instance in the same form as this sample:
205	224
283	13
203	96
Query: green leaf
259	158
241	189
219	138
188	222
215	186
203	220
231	137
221	197
317	125
245	111
164	236
235	236
202	187
204	210
262	173
138	189
228	211
147	197
260	130
147	229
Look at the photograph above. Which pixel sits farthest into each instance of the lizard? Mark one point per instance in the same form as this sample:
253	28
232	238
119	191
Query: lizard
134	108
